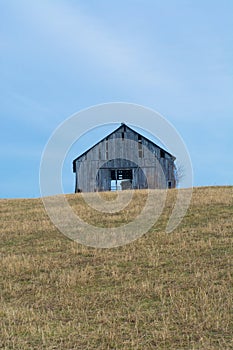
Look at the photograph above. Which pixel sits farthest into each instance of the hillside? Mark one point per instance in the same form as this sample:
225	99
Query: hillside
163	291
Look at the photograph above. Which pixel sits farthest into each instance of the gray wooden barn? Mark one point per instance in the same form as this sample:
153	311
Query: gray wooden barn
124	159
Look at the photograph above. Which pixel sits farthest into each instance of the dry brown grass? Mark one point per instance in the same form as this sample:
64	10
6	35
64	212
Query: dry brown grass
163	291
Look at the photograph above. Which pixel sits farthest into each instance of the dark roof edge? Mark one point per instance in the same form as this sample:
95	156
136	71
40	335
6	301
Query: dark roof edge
122	124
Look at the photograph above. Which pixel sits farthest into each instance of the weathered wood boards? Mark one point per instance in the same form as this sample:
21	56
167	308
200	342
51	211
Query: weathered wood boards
127	158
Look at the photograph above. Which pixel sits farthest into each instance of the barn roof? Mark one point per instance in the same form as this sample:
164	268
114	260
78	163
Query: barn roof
151	139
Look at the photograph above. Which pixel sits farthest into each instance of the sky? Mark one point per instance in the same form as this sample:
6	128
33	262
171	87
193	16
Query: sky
60	57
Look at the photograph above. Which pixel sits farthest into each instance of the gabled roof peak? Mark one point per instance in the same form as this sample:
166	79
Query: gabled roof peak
135	130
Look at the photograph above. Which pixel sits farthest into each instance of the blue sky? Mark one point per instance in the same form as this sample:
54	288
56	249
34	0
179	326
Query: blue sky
58	57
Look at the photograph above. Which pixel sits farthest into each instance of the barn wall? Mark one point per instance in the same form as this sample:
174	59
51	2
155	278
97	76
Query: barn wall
117	152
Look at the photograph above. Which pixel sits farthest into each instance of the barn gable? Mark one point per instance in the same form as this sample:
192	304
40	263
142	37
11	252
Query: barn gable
124	159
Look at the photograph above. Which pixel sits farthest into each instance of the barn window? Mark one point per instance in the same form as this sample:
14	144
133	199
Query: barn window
106	148
162	153
140	151
169	184
123	135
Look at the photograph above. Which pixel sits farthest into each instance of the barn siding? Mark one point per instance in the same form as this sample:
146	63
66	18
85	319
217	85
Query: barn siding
93	168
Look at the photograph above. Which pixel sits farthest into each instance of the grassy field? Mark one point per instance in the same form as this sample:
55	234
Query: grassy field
163	291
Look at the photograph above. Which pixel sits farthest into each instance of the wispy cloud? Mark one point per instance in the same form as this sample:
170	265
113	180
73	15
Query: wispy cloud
80	35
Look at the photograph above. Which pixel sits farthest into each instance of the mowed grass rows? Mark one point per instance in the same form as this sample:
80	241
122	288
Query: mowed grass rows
162	291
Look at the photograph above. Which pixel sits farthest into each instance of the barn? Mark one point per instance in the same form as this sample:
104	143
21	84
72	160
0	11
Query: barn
124	159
